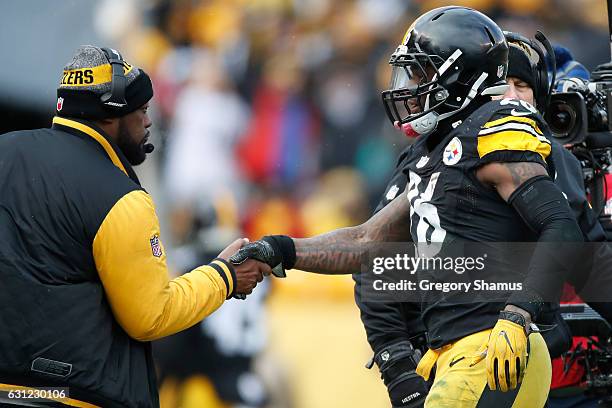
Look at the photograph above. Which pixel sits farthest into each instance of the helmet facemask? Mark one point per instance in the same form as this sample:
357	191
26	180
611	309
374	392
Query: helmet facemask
413	91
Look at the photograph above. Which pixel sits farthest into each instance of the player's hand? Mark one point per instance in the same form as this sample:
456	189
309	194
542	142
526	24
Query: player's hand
277	251
248	273
505	353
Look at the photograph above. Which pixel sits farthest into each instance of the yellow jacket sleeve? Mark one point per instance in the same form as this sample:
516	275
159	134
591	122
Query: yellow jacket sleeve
131	263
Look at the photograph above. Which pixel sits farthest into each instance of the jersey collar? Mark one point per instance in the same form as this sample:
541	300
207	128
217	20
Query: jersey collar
79	126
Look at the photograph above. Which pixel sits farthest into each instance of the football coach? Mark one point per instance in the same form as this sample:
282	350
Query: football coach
84	285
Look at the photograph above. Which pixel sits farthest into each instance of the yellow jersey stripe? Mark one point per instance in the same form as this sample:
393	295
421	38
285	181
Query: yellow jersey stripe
507	119
71	402
515	127
95	135
228	274
512	140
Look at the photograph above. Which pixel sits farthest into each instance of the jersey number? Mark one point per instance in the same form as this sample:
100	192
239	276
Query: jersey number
427	219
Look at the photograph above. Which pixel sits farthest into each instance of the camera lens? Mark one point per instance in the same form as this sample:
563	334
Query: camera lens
561	118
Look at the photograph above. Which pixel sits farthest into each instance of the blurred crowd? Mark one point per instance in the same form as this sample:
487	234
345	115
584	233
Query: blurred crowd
272	107
269	120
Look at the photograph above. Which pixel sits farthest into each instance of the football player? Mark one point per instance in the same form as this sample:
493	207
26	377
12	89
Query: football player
394	329
478	173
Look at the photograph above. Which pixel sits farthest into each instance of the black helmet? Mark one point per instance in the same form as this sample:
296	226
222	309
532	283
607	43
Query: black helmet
448	56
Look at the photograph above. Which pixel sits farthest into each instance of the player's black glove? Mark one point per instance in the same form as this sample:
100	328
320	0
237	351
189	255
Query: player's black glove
278	251
397	363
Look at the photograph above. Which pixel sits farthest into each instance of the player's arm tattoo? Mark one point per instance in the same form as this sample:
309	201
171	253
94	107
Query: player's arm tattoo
342	251
521	172
508	176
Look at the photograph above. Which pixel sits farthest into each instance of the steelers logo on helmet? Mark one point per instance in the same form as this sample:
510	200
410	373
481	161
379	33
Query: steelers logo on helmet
448	57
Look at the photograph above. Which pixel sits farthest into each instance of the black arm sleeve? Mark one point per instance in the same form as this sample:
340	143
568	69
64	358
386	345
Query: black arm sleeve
386	323
545	210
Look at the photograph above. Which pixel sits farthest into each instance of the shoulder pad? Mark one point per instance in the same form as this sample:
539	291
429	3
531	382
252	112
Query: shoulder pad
513	125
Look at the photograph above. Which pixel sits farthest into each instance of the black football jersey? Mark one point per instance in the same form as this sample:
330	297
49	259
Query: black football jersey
449	204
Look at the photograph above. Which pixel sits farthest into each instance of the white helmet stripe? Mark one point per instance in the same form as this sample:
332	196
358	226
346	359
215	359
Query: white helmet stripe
449	61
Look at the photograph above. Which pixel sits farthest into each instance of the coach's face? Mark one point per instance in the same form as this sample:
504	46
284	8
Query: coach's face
133	134
519	89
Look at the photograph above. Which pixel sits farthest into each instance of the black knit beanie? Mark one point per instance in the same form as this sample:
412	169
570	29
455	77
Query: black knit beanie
520	67
88	76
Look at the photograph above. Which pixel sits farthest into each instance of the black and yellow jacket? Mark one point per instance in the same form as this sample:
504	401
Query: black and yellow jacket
84	285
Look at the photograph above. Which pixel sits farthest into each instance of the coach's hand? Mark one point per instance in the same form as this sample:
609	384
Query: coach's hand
277	251
506	352
248	273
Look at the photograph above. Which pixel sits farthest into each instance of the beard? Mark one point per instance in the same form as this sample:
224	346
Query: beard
134	151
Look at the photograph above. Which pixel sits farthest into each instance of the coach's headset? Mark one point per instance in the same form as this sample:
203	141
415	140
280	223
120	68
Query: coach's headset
115	98
543	84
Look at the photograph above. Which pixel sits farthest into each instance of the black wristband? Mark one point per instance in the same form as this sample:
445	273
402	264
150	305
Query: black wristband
514	317
284	247
232	271
395	359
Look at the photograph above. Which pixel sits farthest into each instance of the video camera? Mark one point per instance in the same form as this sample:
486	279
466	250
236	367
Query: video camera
596	354
580	115
580	112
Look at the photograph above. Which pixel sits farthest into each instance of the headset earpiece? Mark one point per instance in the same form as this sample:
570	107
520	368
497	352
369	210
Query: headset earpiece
116	96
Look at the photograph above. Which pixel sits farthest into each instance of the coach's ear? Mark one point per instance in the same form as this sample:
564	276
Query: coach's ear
110	126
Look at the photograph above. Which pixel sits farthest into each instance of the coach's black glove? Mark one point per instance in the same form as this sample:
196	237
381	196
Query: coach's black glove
278	251
397	363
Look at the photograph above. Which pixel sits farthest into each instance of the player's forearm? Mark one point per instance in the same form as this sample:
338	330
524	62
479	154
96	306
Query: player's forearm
336	252
342	251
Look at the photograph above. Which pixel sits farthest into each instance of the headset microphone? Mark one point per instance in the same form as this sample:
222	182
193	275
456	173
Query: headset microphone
148	148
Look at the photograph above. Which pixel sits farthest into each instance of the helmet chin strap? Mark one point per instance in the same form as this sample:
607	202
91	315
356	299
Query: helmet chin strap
421	126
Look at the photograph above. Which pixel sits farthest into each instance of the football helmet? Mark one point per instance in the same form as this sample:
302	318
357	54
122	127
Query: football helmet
448	57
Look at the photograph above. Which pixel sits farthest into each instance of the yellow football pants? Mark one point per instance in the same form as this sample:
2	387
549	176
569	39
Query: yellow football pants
457	385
